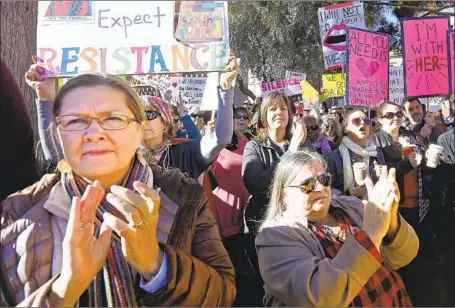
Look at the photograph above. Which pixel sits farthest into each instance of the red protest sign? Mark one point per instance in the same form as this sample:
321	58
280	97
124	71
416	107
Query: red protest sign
367	68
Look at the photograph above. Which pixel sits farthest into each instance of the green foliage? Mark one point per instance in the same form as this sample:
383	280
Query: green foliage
274	36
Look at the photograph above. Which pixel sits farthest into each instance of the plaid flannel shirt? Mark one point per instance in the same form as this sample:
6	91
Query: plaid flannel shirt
385	288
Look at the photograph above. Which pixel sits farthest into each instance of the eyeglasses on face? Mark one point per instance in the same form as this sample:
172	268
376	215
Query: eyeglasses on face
358	121
309	185
241	117
77	123
391	115
330	126
152	114
313	127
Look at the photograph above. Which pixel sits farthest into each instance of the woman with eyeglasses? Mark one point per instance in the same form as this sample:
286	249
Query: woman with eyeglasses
319	250
404	151
331	128
192	157
320	142
110	230
353	149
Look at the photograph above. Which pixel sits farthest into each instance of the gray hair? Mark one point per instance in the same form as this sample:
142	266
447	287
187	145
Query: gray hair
287	169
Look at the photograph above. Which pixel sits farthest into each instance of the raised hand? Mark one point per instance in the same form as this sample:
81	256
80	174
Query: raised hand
181	109
139	243
382	199
42	81
230	73
299	134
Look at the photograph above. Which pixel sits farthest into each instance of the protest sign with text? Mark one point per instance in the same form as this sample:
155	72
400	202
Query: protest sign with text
425	56
396	84
451	40
130	37
290	74
190	88
288	87
333	21
333	85
367	68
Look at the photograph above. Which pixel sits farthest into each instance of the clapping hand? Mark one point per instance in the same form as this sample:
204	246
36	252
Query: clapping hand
381	210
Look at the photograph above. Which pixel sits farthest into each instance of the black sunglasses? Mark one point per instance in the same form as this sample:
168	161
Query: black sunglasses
313	127
330	126
358	121
310	184
244	117
152	115
391	115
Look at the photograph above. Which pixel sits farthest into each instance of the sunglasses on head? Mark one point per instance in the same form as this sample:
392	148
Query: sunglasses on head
358	121
391	115
309	185
313	127
152	114
239	117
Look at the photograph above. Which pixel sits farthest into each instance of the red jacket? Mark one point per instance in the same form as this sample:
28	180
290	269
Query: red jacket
231	196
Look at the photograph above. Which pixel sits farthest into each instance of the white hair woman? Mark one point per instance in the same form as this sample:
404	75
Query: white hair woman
316	250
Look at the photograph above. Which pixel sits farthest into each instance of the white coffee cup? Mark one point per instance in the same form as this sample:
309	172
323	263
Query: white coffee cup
434	155
360	172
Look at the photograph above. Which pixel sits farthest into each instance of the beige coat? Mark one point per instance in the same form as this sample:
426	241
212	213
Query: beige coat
297	273
199	271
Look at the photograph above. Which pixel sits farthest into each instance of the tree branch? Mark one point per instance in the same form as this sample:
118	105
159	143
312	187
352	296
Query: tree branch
416	8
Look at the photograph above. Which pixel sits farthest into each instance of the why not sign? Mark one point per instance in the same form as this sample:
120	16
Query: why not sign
132	37
367	67
333	22
425	56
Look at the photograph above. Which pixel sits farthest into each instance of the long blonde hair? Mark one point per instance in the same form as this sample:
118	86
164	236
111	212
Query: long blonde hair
287	169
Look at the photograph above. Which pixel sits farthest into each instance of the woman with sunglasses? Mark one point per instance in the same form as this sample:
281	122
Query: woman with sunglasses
331	128
353	148
195	156
110	230
404	151
319	250
320	142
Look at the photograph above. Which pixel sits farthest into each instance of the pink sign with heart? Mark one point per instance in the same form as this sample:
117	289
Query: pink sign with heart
367	68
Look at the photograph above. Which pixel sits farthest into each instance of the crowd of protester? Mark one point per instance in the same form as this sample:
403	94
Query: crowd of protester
130	201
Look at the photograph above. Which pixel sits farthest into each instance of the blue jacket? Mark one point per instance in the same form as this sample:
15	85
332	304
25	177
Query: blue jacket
189	130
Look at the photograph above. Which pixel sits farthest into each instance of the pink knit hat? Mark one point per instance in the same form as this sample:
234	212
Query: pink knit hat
153	101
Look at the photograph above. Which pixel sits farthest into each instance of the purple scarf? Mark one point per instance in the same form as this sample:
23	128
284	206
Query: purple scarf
322	144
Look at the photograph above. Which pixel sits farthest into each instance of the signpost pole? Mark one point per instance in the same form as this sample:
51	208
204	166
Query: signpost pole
343	76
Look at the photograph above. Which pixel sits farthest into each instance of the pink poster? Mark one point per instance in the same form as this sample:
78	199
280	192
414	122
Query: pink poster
451	41
367	68
425	56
